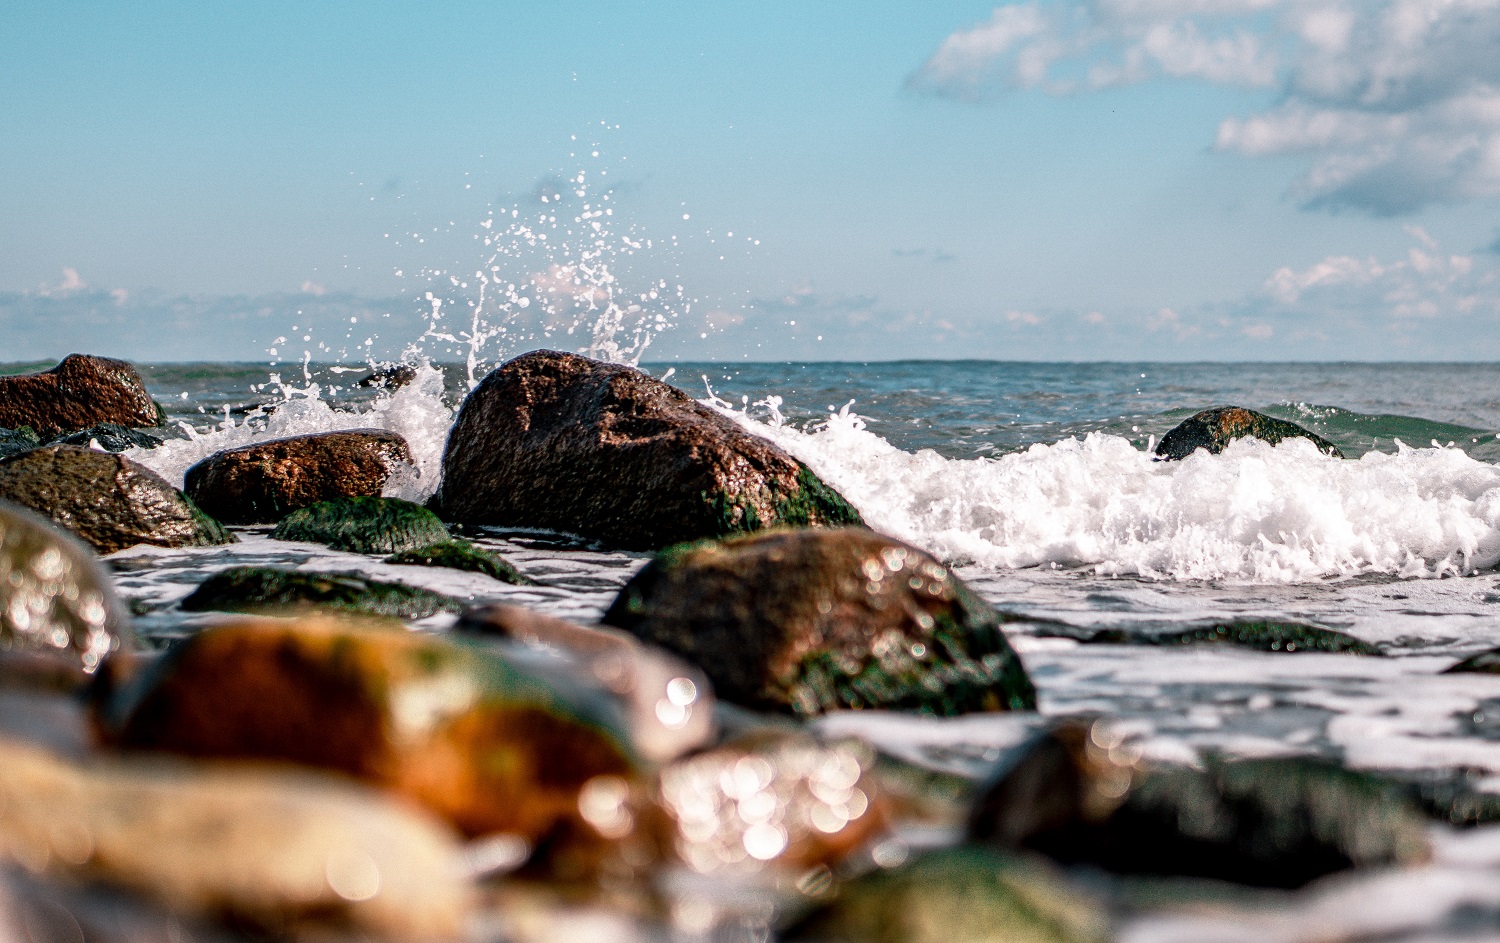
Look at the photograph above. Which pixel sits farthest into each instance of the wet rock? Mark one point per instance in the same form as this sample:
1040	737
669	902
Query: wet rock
269	590
1213	429
669	706
112	437
815	620
971	894
484	740
16	441
1264	635
108	500
561	442
390	376
1080	794
1482	663
80	392
364	525
54	596
462	555
271	850
262	483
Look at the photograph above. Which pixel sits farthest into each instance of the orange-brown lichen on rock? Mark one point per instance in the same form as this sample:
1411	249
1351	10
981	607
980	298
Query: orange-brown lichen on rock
80	392
1213	430
490	742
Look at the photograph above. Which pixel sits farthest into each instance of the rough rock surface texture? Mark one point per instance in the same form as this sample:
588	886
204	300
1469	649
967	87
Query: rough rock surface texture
1213	429
80	392
817	620
364	525
108	500
262	483
16	441
54	596
562	442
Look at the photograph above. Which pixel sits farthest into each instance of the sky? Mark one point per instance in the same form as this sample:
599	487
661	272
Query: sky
1041	180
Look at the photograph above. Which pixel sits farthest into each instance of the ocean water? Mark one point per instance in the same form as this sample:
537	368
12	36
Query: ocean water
1037	483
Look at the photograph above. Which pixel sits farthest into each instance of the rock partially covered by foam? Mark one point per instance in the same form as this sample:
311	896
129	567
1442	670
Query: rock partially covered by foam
562	442
816	620
80	392
1213	430
276	850
54	596
108	500
390	376
1079	794
489	742
270	590
364	525
262	483
462	555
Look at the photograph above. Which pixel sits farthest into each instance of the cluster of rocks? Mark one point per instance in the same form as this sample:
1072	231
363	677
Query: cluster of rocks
315	764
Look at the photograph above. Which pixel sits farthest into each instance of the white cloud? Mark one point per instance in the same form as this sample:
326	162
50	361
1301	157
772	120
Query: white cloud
71	284
1394	103
1023	317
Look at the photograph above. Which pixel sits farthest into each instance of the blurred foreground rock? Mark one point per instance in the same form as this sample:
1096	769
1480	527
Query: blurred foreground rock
80	392
108	500
262	483
271	591
364	525
815	620
562	442
1213	430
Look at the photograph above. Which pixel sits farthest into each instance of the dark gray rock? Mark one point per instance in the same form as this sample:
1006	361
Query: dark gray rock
1213	430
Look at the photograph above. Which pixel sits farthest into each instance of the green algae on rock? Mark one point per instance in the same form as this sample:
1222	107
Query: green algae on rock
462	555
270	590
1213	430
814	620
976	895
108	500
364	525
1266	635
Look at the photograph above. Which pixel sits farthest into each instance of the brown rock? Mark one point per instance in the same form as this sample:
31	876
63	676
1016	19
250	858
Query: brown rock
262	483
80	392
108	500
818	620
562	442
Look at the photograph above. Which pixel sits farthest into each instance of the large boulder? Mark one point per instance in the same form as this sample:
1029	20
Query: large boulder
1213	430
558	441
815	620
80	392
54	596
108	500
262	483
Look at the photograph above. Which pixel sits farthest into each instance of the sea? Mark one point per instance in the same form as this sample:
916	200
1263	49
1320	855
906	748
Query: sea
1037	483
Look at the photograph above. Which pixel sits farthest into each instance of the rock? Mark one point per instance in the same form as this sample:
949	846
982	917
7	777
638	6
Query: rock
816	620
272	849
669	706
1079	794
1213	429
112	437
975	895
80	392
108	500
16	441
390	376
1265	635
1483	663
482	739
462	555
364	525
561	442
269	590
262	483
54	596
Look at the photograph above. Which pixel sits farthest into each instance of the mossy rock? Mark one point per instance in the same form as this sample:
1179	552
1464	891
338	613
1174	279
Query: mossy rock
364	525
16	441
1487	663
1264	635
973	895
462	555
1213	430
269	590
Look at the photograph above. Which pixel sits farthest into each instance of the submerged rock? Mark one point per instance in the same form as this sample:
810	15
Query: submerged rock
975	895
112	437
108	500
1079	795
54	596
262	483
275	850
263	589
462	555
1265	635
1213	429
562	442
364	525
16	441
390	376
818	620
483	740
80	392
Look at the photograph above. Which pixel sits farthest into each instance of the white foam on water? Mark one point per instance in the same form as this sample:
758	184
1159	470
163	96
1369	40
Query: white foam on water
1255	512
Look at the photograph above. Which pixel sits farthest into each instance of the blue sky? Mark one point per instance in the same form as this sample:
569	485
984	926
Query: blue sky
1115	179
